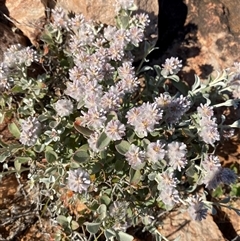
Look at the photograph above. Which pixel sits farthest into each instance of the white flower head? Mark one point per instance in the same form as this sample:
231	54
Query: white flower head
63	107
78	180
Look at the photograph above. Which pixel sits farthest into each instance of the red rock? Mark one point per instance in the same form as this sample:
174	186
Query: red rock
179	224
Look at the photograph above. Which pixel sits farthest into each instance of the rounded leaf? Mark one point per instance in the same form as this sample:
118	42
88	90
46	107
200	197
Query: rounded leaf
122	147
92	227
121	236
14	130
135	176
83	130
109	233
103	141
102	211
81	156
51	156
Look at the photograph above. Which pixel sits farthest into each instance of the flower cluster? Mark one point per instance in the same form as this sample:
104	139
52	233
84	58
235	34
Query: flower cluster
135	157
155	151
78	180
30	129
167	184
63	107
214	174
18	55
174	108
171	66
176	155
144	118
4	80
119	210
208	126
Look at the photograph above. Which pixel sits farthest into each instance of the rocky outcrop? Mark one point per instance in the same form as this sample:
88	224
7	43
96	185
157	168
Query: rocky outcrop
207	40
178	224
26	15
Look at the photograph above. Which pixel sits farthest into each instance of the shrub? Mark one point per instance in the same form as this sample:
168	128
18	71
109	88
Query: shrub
129	143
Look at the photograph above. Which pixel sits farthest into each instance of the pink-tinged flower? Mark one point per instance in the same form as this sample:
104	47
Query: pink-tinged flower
75	22
163	101
75	73
144	118
75	90
133	115
205	111
169	196
30	129
208	126
115	51
136	35
78	180
214	174
135	157
115	130
109	32
129	84
93	119
125	70
176	155
155	151
125	4
141	20
171	66
121	37
59	18
109	101
63	107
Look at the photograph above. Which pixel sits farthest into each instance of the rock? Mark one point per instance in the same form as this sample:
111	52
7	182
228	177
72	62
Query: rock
208	40
26	15
232	218
232	9
179	224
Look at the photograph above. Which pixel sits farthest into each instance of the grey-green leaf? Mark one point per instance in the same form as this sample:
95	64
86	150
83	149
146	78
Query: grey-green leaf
103	141
14	130
102	211
83	130
81	156
109	233
135	176
122	147
51	156
92	227
121	236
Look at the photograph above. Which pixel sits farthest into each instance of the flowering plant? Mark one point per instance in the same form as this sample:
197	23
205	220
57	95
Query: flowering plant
127	142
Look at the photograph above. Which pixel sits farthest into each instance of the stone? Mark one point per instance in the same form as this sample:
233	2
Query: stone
27	15
232	218
207	40
179	224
